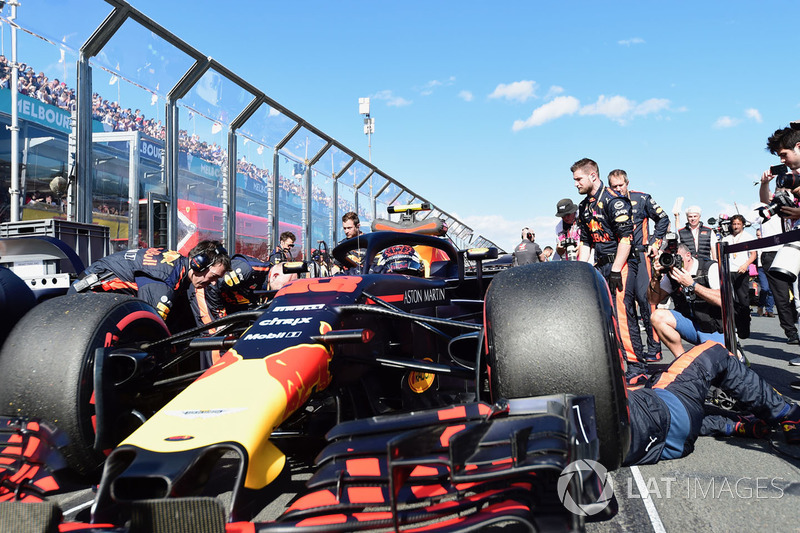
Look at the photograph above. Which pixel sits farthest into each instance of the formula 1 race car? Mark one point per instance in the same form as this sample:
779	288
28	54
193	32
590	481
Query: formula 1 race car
436	401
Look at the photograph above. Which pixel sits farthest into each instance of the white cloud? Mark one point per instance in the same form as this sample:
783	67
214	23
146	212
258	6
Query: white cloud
726	122
615	107
428	88
653	105
558	107
628	42
554	90
466	96
518	90
390	99
754	114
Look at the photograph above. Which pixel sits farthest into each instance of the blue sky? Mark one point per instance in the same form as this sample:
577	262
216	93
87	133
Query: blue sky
483	106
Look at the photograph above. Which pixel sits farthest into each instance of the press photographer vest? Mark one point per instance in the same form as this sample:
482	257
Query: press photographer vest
705	316
703	240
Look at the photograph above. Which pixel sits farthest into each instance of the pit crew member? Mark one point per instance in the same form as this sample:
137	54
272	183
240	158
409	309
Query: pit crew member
606	226
527	251
238	288
160	277
668	414
694	288
643	209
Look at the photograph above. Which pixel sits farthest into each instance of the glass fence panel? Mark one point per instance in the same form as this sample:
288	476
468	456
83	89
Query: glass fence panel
200	185
70	22
346	204
217	98
253	193
290	197
303	145
143	58
322	213
267	126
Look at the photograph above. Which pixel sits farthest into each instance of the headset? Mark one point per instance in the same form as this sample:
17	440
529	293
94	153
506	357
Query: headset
201	261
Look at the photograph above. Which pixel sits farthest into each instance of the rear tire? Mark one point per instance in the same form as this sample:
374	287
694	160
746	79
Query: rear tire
46	364
550	330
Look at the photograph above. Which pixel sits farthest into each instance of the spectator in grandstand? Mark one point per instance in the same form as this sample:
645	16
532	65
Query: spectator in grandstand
283	252
160	277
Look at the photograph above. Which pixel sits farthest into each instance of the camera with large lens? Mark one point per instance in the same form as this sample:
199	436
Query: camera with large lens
669	257
571	245
781	199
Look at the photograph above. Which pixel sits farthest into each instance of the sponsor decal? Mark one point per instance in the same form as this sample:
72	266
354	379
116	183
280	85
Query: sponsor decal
285	321
419	382
413	296
272	336
192	414
178	438
293	308
621	218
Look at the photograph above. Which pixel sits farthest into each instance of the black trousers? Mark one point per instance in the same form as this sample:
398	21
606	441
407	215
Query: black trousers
781	291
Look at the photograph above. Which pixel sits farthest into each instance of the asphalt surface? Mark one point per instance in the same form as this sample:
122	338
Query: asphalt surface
728	485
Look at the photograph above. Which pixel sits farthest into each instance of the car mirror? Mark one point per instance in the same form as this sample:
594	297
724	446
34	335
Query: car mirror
481	254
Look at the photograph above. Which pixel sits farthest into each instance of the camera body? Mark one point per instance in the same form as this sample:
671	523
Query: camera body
780	199
669	257
571	246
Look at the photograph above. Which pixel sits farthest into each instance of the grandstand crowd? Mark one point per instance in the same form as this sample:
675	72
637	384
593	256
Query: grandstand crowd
115	117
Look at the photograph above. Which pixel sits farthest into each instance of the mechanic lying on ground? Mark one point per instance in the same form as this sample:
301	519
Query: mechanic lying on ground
161	278
667	414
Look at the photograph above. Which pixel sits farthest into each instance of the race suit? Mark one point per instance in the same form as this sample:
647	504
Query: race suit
644	209
237	289
605	220
667	415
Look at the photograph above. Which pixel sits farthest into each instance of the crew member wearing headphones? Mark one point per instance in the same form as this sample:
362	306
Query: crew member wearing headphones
527	251
159	277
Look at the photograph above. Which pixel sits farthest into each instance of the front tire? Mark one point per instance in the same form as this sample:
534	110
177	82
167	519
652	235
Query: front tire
46	364
550	330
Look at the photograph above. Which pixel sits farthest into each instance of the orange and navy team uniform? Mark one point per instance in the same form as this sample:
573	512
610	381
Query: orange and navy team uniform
643	209
237	289
668	414
605	221
154	275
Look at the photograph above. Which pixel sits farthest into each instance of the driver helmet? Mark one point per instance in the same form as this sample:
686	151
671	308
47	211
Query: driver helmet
401	259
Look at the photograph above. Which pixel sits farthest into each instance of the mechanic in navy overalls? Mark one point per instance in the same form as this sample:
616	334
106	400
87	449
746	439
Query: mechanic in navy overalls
239	287
668	413
159	277
606	225
643	209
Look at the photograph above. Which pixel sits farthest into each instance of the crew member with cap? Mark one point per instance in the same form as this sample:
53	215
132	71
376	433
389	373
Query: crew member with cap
568	233
701	240
527	251
606	226
643	209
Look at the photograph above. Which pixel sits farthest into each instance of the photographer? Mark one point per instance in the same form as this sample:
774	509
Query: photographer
739	264
568	235
784	143
693	284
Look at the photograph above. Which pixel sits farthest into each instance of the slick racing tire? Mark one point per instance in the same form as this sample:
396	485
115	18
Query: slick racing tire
47	363
550	330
